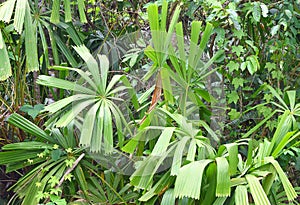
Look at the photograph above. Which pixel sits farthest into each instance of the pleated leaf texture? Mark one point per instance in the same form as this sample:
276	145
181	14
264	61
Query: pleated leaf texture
94	98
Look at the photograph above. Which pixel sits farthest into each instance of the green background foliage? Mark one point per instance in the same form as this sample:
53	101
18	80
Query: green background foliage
149	102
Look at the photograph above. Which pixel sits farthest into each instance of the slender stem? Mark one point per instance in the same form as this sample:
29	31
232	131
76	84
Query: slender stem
5	103
69	170
109	186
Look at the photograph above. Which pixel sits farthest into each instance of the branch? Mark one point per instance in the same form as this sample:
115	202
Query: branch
69	170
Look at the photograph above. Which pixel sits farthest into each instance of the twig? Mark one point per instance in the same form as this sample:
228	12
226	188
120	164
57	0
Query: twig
69	170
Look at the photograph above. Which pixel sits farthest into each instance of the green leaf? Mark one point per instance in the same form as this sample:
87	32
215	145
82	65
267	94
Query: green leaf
63	84
238	50
288	137
257	192
44	44
6	10
5	68
288	13
251	43
30	42
96	144
72	113
192	151
223	177
288	187
172	25
251	67
292	98
204	40
256	11
81	8
152	11
232	149
234	17
32	111
195	31
167	87
244	65
234	114
54	107
164	12
104	67
55	12
53	181
115	80
53	45
181	47
178	155
168	197
65	50
55	154
233	97
255	128
91	63
108	129
238	82
163	141
165	181
270	66
264	10
274	30
282	129
254	61
241	195
239	33
32	145
70	29
68	15
189	180
233	66
143	176
13	156
27	126
20	15
220	201
69	162
88	125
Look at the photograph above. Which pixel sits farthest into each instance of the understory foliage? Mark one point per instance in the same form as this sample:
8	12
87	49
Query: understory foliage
165	102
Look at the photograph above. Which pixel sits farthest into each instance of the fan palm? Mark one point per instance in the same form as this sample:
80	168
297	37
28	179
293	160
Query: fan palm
95	97
209	177
255	174
60	166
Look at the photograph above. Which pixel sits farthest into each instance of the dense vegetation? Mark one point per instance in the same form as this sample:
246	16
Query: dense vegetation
139	102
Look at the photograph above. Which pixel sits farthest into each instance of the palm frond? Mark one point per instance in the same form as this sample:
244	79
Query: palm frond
5	68
189	179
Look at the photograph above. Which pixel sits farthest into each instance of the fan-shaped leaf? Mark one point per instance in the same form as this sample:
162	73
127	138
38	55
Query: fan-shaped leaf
168	197
20	15
223	177
241	195
163	141
5	68
88	125
257	192
30	41
288	187
6	10
24	124
63	84
178	155
189	179
73	112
